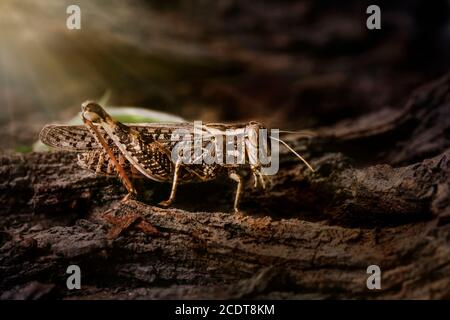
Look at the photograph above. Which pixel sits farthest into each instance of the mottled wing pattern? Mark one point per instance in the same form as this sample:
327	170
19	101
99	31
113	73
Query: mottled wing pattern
151	158
79	138
70	138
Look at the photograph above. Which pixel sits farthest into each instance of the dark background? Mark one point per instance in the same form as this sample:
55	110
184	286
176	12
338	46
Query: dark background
291	64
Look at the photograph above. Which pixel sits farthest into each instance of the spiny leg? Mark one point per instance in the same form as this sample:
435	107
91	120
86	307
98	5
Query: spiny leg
173	192
262	179
258	176
123	176
234	176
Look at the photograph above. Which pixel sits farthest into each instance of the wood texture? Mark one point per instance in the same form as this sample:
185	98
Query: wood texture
380	195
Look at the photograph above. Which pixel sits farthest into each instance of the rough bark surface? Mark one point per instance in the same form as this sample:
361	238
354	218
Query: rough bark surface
380	195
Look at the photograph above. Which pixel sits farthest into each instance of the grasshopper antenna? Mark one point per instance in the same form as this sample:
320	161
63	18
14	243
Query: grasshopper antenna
294	152
303	133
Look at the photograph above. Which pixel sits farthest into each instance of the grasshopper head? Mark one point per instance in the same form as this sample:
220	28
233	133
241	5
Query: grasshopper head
94	112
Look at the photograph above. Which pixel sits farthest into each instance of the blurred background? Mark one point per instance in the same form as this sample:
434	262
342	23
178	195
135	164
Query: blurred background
290	64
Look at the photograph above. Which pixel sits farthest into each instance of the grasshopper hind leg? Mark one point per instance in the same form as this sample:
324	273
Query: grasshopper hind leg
234	176
118	164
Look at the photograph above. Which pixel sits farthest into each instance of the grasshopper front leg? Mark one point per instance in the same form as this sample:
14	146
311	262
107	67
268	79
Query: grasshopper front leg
258	176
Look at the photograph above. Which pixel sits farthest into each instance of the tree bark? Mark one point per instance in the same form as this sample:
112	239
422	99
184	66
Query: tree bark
379	196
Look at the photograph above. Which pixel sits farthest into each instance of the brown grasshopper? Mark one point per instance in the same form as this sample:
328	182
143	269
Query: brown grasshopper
109	147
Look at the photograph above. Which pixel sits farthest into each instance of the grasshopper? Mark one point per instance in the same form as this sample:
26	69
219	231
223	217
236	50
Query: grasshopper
108	147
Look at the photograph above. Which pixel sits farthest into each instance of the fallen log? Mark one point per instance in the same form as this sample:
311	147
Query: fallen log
311	235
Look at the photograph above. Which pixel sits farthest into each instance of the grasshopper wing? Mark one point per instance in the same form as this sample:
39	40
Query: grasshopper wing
69	138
